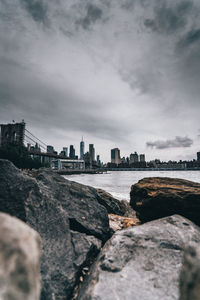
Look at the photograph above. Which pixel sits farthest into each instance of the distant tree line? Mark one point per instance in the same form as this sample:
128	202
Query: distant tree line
19	156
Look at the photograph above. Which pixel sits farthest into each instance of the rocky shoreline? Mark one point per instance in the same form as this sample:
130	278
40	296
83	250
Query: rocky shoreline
92	245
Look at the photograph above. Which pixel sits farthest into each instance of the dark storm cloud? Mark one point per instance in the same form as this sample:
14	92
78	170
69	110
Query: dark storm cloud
36	8
93	14
178	142
169	18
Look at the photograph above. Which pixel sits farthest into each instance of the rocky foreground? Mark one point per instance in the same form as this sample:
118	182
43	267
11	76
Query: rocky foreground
83	255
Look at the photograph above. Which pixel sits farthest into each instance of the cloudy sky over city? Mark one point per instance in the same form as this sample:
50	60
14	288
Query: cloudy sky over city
120	73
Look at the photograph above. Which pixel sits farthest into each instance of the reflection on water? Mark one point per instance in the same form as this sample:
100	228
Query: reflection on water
118	183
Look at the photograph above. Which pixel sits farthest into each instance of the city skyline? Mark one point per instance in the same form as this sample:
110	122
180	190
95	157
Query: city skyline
120	73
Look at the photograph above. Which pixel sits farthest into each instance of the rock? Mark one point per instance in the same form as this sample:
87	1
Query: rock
19	260
141	262
190	274
113	206
120	222
68	217
155	197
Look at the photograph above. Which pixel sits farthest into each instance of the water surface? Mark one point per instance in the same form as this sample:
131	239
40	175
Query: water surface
118	183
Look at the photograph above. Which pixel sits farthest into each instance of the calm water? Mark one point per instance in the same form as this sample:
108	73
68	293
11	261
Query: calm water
118	183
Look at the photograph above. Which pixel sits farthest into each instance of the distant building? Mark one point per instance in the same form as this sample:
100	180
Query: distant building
72	152
88	160
50	149
115	156
142	157
82	147
134	158
12	133
198	156
65	151
92	151
98	160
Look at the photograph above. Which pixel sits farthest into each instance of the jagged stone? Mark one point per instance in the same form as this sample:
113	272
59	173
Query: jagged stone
68	217
20	248
190	274
155	197
141	262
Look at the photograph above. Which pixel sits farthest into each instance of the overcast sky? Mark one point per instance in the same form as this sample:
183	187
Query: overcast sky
120	73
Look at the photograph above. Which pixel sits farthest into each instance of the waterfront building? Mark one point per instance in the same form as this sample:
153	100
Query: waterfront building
115	156
82	147
66	164
142	157
92	151
71	152
12	133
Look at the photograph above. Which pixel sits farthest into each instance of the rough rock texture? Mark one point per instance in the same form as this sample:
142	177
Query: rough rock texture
141	262
155	197
120	222
190	274
68	217
113	206
19	260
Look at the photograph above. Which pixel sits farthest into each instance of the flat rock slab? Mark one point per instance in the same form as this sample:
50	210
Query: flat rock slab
142	262
158	197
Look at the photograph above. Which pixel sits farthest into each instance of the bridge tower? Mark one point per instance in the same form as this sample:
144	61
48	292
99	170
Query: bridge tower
12	133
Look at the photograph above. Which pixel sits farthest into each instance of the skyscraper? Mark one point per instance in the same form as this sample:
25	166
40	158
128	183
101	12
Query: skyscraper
92	151
72	152
115	156
82	146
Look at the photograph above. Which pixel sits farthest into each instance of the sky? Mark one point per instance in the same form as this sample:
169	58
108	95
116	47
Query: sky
120	73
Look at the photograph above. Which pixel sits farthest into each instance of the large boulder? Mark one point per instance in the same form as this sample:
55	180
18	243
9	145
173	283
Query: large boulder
190	274
141	262
20	248
68	217
155	197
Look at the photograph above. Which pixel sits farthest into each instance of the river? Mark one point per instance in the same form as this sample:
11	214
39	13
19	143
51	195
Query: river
118	183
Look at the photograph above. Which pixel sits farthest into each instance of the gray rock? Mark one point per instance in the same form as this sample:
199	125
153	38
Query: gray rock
141	262
20	248
190	274
68	217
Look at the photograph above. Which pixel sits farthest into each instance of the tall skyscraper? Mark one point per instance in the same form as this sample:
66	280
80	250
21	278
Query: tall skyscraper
115	156
72	152
82	146
92	151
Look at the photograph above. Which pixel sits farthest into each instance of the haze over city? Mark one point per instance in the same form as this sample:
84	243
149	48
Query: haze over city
119	73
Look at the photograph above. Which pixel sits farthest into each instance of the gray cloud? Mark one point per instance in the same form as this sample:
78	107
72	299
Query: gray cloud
123	72
178	142
93	14
169	17
36	8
